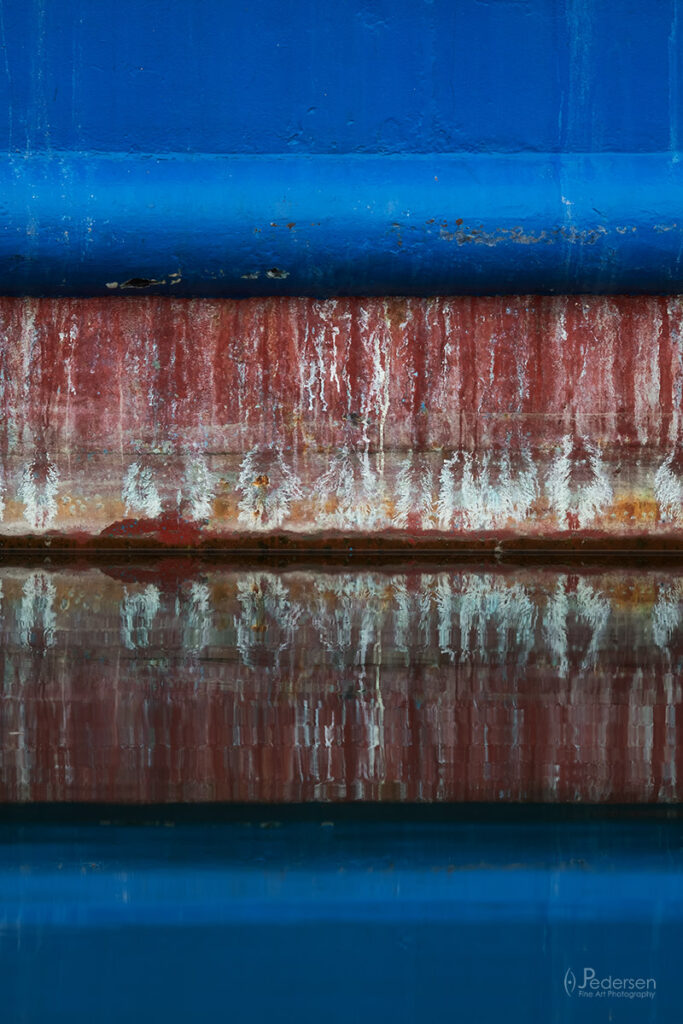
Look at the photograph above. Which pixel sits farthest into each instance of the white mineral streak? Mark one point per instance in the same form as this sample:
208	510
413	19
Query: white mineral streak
557	482
139	609
199	487
2	495
483	491
668	491
647	384
27	341
252	504
68	357
676	427
446	504
414	488
140	494
38	493
315	376
268	487
37	620
405	492
351	493
589	499
377	401
517	490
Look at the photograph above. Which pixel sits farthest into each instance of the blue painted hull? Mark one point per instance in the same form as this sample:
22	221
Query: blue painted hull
372	147
92	224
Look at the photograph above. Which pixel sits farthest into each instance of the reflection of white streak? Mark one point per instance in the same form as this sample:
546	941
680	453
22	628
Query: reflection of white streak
200	486
138	611
39	495
445	609
666	614
555	626
140	493
263	596
198	631
372	712
37	618
591	607
491	601
472	615
668	491
516	616
402	616
594	609
350	597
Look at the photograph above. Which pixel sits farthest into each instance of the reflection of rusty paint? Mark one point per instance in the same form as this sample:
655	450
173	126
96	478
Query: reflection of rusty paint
187	682
523	421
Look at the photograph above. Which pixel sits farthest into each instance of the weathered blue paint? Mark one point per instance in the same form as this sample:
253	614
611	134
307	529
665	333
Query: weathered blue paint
372	76
325	225
339	921
374	146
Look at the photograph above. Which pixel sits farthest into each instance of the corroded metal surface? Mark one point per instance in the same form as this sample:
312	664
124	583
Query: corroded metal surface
169	682
465	421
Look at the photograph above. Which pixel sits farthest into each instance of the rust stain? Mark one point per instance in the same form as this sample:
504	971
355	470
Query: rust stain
454	423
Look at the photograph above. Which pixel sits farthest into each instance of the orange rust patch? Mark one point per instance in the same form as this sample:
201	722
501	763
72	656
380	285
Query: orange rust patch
633	510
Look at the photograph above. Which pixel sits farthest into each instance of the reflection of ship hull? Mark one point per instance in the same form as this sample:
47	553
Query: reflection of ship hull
345	921
528	420
166	683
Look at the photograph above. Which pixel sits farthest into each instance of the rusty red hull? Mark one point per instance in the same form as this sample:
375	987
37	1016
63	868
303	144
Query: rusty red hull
471	684
465	421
